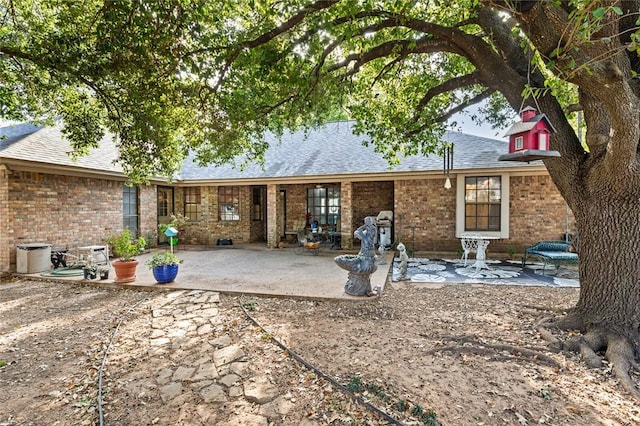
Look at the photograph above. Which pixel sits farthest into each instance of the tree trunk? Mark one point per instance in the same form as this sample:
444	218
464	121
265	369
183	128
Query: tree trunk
608	310
609	250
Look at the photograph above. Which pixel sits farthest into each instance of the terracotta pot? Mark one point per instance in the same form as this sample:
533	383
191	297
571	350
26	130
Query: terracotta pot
125	271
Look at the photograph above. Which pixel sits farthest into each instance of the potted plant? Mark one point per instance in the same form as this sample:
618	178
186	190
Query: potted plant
164	266
90	269
126	248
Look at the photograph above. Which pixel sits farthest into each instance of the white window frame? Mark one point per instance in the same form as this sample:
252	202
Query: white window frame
504	204
519	144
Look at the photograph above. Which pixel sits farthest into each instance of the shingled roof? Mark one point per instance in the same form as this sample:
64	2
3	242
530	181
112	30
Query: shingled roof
330	150
45	146
334	149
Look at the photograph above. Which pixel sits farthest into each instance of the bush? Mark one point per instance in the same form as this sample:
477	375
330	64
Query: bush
125	246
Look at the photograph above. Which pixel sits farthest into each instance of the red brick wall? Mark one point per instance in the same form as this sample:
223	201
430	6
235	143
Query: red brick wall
60	210
369	198
537	211
296	200
148	219
210	228
346	216
77	211
424	216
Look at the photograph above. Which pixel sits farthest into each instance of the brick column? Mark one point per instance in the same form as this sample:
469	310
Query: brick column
7	239
273	233
148	227
346	214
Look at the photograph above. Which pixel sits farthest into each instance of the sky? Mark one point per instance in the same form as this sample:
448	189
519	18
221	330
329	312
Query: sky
469	127
466	125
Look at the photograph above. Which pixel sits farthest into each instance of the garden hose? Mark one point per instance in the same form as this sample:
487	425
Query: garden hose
63	272
320	373
106	354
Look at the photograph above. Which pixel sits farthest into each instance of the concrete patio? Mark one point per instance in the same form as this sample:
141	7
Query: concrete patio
249	269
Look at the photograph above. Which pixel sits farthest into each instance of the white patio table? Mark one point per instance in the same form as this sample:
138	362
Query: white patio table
477	243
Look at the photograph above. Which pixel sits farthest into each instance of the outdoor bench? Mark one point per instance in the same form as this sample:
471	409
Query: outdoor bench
551	252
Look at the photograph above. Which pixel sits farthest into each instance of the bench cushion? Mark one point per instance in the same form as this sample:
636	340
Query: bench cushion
554	255
549	246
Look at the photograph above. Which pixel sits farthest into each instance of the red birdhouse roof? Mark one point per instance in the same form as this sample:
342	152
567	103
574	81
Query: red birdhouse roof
525	126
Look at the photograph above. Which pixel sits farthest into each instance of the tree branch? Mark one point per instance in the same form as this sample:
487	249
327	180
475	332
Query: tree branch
447	86
443	118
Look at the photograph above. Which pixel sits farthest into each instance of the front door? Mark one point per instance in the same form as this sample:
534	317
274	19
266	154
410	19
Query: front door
165	208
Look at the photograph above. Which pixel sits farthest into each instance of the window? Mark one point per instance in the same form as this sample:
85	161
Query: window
130	208
192	203
519	143
163	202
229	201
324	205
483	202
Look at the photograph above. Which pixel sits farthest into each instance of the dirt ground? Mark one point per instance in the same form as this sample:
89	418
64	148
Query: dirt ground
419	354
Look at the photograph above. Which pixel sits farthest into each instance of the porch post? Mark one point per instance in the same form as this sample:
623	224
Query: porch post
8	239
346	214
273	233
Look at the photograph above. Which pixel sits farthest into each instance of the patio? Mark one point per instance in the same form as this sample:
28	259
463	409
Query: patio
497	272
255	269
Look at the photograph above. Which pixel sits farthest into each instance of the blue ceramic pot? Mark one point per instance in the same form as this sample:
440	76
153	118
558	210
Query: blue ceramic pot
165	273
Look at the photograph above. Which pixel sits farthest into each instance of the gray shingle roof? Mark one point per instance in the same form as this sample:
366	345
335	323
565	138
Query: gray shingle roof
332	149
46	145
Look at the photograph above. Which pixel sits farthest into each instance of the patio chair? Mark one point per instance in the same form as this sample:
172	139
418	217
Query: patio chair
469	243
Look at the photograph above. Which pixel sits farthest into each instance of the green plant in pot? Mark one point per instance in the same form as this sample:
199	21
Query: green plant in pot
126	247
164	266
90	269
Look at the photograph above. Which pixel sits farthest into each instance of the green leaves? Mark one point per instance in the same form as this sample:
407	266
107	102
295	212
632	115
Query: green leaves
213	76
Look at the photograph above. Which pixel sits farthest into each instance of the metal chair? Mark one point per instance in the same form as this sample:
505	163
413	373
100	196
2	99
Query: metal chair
469	243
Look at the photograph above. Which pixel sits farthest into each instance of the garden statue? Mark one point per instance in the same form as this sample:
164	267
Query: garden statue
404	259
362	265
380	259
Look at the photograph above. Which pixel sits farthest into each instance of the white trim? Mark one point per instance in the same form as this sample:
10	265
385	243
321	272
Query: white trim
519	143
504	207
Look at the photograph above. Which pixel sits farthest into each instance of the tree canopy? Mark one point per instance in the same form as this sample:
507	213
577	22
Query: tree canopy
213	76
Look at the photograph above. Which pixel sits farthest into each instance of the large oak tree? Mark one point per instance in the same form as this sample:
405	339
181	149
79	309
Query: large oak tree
214	75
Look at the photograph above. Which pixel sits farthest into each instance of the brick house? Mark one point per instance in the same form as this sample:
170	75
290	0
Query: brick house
45	196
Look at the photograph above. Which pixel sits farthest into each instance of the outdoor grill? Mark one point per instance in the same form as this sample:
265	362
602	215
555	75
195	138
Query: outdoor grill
384	221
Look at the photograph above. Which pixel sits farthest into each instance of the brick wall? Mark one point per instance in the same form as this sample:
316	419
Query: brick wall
296	203
424	217
274	211
77	211
369	198
210	228
346	216
60	210
425	214
148	219
537	211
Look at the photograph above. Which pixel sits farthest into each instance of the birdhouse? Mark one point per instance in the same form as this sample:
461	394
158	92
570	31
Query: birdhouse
529	138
